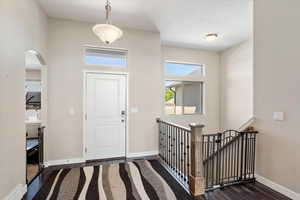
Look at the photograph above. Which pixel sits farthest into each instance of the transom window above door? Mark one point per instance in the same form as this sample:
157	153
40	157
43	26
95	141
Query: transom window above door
183	69
105	57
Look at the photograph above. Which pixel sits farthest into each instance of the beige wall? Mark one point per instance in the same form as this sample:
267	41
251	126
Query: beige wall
236	85
210	60
65	87
23	27
276	88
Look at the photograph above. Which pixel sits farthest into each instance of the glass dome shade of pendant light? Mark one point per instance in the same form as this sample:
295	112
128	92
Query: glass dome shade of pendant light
107	33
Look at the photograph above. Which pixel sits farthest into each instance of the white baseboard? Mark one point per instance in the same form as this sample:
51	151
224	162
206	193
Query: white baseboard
17	193
142	154
279	188
82	160
64	162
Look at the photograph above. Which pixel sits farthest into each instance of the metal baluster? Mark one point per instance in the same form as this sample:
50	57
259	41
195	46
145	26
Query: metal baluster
175	149
223	159
246	155
168	150
226	161
242	155
232	158
166	146
213	161
254	151
160	139
181	154
251	152
204	155
171	140
207	164
219	159
238	157
188	154
185	160
177	152
170	146
165	142
174	146
249	155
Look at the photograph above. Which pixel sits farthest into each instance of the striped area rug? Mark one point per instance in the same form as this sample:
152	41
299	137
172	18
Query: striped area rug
138	180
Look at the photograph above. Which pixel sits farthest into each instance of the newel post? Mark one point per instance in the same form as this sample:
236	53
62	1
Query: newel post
196	176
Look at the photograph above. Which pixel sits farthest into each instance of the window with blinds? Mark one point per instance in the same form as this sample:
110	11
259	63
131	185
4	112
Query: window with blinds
106	57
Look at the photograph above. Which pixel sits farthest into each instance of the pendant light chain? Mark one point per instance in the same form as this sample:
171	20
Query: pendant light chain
108	11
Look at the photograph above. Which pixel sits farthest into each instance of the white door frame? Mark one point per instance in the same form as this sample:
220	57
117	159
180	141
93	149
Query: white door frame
85	73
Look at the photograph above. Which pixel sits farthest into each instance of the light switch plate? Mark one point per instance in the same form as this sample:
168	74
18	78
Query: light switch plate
278	116
134	110
71	111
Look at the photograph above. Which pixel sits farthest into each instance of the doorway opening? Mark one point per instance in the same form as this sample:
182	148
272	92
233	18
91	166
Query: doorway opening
35	115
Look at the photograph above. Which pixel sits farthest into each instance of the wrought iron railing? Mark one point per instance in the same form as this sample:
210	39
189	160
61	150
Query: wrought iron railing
228	158
174	150
202	162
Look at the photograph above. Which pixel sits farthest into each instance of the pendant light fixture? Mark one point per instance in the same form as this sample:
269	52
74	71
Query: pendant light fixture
107	32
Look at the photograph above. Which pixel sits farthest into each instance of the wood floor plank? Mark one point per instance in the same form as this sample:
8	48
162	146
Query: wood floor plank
249	191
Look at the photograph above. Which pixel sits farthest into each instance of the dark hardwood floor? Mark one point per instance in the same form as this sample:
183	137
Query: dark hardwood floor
247	191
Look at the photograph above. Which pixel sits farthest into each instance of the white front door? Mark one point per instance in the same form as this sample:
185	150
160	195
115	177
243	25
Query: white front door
106	116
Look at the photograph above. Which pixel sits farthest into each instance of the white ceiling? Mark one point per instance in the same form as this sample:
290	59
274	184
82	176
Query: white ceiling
181	22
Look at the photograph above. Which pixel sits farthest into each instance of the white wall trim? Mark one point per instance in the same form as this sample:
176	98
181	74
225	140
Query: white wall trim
17	193
142	154
279	188
247	124
82	160
64	162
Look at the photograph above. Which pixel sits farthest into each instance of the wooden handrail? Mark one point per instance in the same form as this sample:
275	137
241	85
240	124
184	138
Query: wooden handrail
172	124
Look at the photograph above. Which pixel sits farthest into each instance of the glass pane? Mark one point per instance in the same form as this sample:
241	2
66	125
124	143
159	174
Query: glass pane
105	61
192	97
109	58
183	97
177	69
